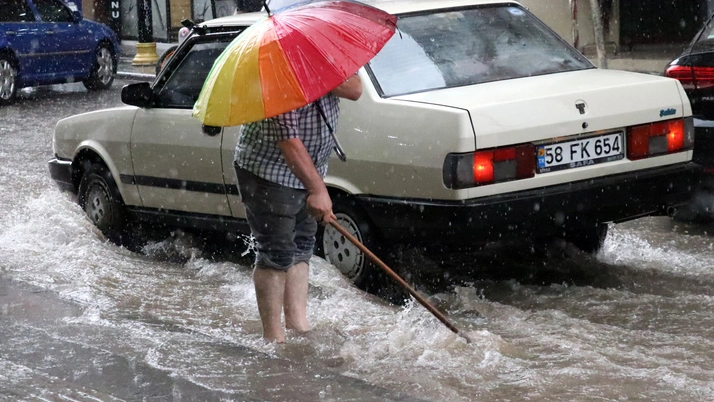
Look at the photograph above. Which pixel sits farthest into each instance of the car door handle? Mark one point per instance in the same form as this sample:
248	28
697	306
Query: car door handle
50	32
12	33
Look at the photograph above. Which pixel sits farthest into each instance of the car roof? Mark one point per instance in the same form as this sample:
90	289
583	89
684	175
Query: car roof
391	6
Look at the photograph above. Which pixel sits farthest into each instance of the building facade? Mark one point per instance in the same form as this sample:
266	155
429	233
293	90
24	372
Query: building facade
627	23
123	15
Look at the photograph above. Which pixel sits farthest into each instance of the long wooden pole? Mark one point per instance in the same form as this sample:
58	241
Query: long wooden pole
399	280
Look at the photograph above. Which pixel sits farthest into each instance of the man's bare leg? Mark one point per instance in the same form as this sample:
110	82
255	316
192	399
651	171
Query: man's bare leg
269	292
295	302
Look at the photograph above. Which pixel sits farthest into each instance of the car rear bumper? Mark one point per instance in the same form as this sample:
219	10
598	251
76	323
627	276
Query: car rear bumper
704	144
540	212
61	173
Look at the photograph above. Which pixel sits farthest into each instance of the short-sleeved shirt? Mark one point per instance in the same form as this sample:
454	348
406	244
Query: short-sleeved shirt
258	152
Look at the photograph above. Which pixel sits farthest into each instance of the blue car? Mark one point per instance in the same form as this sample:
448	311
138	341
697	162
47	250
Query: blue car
45	42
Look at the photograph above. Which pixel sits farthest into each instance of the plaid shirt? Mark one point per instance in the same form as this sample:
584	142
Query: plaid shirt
258	152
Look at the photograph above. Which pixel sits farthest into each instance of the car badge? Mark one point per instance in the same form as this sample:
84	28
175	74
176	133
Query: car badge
581	106
667	112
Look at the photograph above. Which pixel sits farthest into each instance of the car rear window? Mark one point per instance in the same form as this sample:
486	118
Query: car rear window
453	48
704	41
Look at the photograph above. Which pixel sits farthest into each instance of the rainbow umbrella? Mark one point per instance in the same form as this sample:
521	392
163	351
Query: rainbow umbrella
290	59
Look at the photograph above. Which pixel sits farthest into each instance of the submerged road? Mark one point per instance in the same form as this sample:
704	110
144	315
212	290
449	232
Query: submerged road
84	320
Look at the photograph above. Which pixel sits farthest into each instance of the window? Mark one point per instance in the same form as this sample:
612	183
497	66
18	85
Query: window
185	82
53	11
446	49
15	11
702	43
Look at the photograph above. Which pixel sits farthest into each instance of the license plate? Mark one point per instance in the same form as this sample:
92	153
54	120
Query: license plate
580	152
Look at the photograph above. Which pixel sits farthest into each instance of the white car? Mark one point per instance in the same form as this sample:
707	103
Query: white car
477	123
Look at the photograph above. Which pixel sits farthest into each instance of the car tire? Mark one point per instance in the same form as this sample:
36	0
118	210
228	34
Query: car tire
104	68
339	251
589	239
8	80
164	58
100	199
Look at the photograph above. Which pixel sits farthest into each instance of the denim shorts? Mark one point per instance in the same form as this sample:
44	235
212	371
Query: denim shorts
277	215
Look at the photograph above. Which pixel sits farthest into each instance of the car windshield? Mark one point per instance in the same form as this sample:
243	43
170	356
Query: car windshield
455	48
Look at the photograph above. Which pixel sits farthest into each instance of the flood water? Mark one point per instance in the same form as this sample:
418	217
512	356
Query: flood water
635	322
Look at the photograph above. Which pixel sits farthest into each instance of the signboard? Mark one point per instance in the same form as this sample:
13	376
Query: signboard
115	16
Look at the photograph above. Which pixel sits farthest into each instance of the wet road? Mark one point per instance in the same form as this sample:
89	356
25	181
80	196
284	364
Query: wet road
82	319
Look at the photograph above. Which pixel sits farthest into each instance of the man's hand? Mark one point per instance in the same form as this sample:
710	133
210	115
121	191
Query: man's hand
319	205
350	89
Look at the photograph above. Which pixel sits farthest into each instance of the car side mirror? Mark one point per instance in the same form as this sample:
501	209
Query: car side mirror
77	15
137	94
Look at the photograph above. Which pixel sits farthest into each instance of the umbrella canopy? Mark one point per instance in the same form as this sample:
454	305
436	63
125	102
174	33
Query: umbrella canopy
290	59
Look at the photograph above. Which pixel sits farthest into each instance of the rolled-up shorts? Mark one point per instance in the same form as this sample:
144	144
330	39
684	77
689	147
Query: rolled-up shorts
277	215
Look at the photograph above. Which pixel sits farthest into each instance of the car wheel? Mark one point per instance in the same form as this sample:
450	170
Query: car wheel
100	199
589	239
344	255
102	74
164	58
8	80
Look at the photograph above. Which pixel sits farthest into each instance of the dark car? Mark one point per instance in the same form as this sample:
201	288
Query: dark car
694	68
45	42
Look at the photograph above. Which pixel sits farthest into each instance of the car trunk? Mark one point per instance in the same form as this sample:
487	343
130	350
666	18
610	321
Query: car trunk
546	107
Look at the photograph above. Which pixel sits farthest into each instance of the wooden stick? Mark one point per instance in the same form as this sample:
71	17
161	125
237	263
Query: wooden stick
399	280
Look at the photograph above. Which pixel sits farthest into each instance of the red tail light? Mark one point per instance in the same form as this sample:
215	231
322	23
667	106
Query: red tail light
692	77
682	73
504	164
489	166
659	138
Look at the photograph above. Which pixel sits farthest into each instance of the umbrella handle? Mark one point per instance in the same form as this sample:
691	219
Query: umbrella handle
433	310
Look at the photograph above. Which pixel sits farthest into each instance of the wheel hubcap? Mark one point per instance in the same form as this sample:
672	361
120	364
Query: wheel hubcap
339	251
7	80
105	65
96	207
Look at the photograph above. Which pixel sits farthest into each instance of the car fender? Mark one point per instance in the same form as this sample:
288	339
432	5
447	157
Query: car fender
128	191
107	134
102	32
5	49
341	183
686	104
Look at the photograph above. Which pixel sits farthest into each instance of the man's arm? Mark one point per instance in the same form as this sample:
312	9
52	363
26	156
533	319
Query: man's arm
319	203
350	89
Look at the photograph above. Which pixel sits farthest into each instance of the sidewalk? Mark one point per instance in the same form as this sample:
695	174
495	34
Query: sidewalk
143	73
645	59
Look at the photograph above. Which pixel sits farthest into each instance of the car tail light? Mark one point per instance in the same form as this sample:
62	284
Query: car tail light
692	77
684	74
660	138
489	166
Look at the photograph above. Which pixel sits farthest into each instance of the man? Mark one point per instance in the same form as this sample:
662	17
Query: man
280	164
